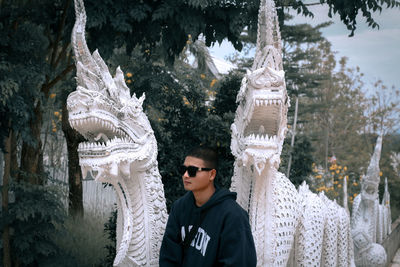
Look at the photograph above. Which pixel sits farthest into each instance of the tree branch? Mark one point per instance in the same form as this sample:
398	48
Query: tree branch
59	31
61	54
46	87
309	4
313	4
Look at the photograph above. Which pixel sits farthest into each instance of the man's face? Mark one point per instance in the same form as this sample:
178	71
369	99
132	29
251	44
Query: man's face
203	179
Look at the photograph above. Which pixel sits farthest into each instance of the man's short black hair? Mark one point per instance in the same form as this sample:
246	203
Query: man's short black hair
206	153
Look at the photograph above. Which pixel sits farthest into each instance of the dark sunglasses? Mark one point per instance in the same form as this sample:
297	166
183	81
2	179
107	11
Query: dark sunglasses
192	170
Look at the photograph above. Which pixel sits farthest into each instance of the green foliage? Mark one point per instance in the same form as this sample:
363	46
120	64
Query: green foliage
83	238
302	159
28	33
21	71
225	101
391	143
349	10
35	217
166	24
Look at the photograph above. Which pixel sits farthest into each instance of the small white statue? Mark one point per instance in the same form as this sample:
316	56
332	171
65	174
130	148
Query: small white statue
370	221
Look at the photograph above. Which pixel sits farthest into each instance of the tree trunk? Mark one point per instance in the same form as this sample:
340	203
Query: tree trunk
326	142
4	202
73	139
14	157
31	154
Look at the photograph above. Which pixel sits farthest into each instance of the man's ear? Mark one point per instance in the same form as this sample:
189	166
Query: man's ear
213	173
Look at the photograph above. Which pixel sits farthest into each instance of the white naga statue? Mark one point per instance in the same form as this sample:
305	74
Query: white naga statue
121	150
370	221
290	227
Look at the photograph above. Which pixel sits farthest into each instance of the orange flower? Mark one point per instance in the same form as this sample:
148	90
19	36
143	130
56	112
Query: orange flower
129	75
213	82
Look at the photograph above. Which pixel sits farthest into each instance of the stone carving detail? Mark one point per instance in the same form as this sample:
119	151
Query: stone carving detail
370	221
121	150
288	226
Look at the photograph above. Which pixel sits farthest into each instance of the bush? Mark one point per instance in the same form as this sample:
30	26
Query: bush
84	240
35	216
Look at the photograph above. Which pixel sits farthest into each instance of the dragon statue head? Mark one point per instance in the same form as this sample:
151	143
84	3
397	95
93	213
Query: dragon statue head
370	181
104	112
259	128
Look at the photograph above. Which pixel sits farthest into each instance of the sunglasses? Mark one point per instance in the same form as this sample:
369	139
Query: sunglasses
192	170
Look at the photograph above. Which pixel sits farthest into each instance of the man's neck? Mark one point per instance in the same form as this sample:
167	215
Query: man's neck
201	197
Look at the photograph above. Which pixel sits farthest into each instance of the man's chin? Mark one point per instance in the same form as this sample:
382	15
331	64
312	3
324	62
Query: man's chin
187	186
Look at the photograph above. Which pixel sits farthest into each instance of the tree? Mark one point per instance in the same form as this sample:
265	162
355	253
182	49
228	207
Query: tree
33	60
391	144
384	108
33	68
334	113
349	10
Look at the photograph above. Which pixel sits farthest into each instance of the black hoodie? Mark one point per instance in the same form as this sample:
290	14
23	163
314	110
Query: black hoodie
224	237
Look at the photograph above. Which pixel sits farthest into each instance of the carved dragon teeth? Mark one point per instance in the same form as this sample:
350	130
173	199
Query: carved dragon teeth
98	126
267	102
104	149
261	126
261	137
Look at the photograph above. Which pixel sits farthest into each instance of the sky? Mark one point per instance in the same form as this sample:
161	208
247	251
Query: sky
376	52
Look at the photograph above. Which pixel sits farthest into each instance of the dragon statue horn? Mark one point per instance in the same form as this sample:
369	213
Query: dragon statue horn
92	71
80	48
373	170
269	45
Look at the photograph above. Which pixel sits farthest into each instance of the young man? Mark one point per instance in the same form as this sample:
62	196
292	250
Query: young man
206	227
